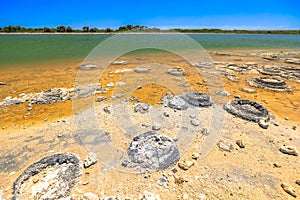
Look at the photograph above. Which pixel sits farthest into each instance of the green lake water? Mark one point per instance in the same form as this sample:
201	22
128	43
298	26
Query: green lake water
28	48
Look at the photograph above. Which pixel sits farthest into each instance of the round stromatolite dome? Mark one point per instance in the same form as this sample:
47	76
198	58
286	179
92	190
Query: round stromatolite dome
246	109
197	98
52	177
153	151
269	83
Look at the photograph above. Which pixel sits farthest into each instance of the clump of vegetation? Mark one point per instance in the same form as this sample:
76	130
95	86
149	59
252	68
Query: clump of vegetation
135	28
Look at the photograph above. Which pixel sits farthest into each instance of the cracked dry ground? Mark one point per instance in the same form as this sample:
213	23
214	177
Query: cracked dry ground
253	172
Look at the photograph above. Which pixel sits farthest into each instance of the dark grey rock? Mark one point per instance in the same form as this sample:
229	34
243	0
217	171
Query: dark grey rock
153	151
101	98
176	71
142	70
269	83
107	109
116	96
248	110
68	171
141	108
175	102
223	93
197	98
163	181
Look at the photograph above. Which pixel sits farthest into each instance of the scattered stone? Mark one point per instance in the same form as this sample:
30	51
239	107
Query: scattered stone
204	132
247	109
288	189
110	84
232	77
197	98
59	135
89	196
270	57
176	71
2	83
90	160
248	90
195	122
142	70
223	146
120	83
294	128
163	181
195	156
298	182
88	66
57	174
121	62
286	118
149	196
125	163
174	170
101	98
264	123
107	109
186	164
156	126
166	114
141	108
277	165
223	93
269	83
290	150
116	96
240	143
153	151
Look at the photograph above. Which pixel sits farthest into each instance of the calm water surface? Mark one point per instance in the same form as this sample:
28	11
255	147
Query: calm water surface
28	48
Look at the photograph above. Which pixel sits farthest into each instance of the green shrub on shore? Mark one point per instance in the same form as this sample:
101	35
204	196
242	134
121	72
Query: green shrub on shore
136	28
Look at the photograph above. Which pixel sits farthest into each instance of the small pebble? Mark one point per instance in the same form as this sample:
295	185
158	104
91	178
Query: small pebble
240	143
186	164
195	156
290	150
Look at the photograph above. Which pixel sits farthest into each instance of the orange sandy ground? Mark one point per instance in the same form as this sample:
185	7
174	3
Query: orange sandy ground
37	78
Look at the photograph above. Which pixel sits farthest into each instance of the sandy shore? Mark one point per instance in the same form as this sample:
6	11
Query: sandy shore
253	172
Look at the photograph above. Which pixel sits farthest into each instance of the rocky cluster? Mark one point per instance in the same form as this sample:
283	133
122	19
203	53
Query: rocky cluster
248	110
153	151
183	101
269	83
63	170
286	72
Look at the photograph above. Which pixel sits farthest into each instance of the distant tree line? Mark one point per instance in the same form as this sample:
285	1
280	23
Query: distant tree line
133	28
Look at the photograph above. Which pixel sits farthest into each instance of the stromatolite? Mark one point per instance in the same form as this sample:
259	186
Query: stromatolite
153	151
248	110
197	98
52	177
269	83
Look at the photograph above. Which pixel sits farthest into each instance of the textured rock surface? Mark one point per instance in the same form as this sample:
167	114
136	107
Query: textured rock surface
176	72
246	109
153	151
269	83
197	98
55	176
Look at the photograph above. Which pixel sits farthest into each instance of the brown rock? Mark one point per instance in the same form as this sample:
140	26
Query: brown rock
240	143
186	164
288	189
290	150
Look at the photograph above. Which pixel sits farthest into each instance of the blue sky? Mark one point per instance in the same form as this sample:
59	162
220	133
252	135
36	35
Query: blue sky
225	14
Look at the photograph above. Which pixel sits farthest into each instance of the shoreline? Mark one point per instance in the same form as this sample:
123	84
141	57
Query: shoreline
133	33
